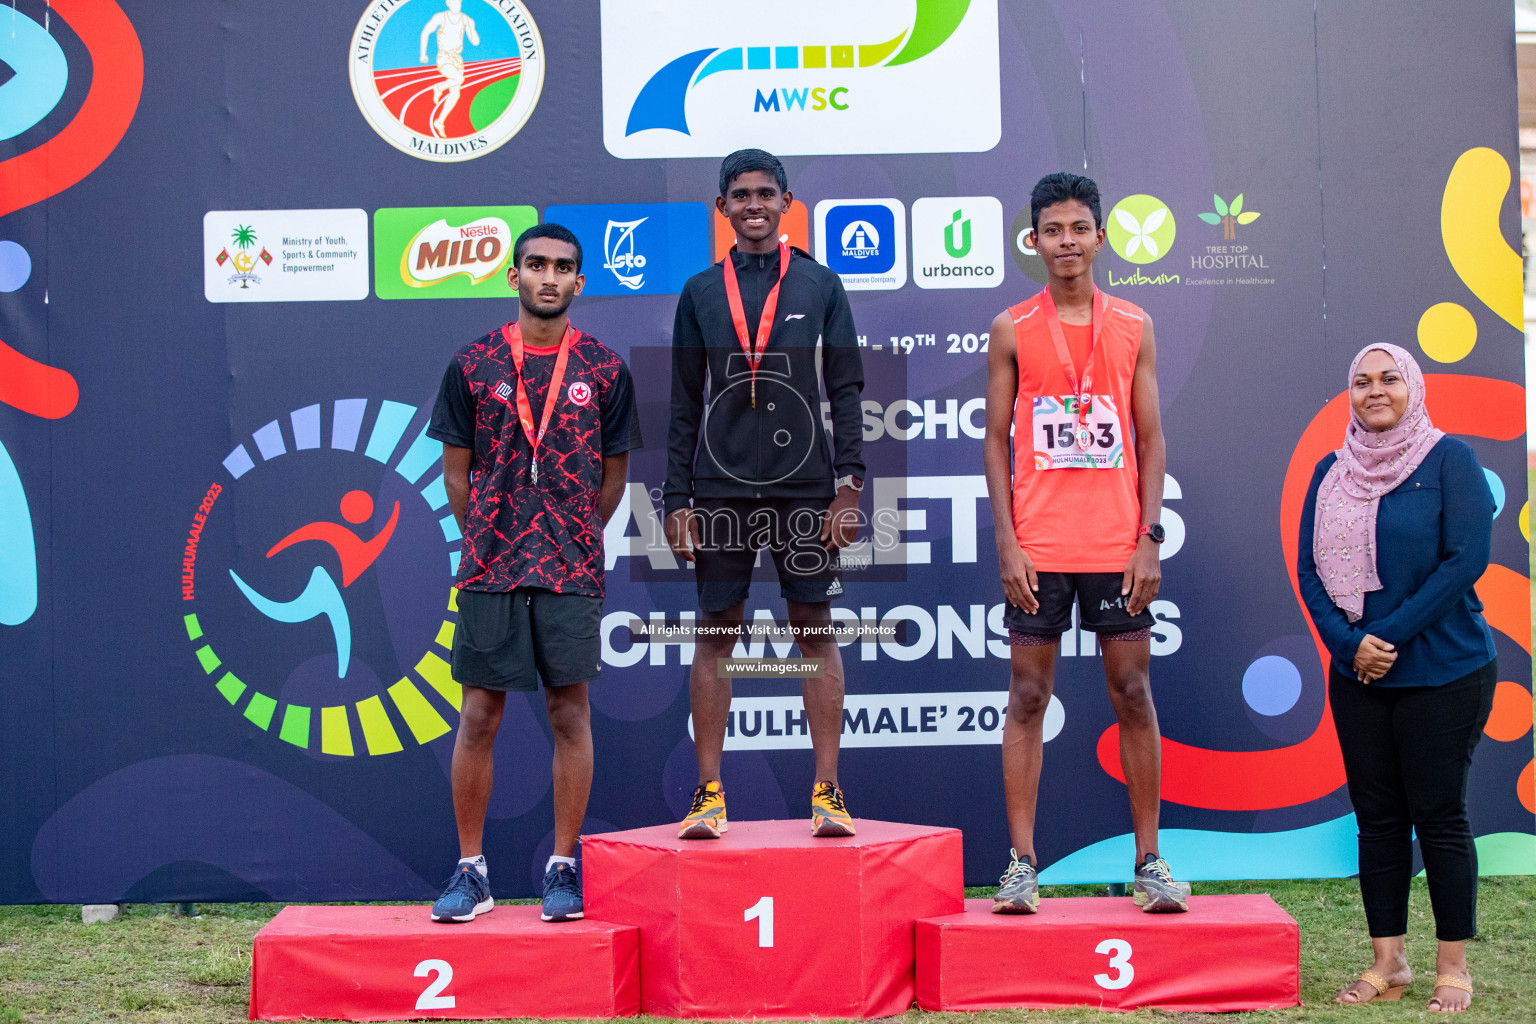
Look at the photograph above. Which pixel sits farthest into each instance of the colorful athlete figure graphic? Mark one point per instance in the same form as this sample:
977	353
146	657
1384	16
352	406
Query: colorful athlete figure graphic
321	596
451	27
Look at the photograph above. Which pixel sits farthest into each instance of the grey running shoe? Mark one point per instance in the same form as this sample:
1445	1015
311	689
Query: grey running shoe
1156	892
1019	890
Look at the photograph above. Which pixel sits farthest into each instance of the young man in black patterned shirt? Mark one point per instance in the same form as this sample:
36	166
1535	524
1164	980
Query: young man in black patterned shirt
537	420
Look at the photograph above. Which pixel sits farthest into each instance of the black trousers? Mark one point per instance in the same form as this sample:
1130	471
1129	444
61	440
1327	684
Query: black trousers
1407	752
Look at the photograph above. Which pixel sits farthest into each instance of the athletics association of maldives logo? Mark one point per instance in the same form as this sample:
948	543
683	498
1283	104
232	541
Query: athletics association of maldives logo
446	80
332	548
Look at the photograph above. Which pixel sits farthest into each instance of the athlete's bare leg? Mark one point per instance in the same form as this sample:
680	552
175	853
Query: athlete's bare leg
823	695
570	720
709	693
479	718
1029	693
1126	664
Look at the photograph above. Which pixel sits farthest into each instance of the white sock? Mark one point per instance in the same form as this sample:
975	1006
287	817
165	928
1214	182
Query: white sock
478	863
569	862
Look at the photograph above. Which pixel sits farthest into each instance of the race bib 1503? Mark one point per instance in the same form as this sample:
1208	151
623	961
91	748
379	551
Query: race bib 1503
1054	431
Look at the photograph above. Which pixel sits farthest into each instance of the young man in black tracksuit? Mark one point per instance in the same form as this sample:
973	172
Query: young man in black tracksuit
749	466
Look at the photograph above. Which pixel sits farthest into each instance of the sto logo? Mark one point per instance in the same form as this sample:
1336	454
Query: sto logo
41	73
321	596
1233	780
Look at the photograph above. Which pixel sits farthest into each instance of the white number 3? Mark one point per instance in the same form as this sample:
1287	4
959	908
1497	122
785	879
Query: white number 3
762	913
1120	960
430	999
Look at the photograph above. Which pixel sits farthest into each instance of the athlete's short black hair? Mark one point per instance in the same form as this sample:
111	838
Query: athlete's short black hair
558	232
1062	187
744	161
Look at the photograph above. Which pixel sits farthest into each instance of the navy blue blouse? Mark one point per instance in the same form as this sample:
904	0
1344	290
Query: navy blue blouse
1432	539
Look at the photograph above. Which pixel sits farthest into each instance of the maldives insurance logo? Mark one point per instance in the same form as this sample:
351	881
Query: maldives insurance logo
446	80
706	77
316	580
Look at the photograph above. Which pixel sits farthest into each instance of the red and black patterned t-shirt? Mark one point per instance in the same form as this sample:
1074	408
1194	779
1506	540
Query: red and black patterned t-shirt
517	533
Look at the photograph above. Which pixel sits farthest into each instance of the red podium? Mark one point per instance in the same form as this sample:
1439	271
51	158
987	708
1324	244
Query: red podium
394	963
768	922
1227	953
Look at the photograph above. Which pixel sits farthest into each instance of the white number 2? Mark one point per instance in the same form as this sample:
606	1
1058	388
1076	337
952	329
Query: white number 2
762	913
430	999
1120	960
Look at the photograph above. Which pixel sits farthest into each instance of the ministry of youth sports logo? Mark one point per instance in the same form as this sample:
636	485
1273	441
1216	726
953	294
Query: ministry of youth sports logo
316	580
446	80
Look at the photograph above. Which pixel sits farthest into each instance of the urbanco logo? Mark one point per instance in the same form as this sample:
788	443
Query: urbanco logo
1141	229
695	78
446	252
638	248
958	242
864	241
446	80
346	586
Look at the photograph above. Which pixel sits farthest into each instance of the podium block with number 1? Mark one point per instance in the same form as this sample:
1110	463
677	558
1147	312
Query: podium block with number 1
768	922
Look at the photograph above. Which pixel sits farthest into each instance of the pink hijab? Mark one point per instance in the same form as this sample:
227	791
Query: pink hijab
1370	464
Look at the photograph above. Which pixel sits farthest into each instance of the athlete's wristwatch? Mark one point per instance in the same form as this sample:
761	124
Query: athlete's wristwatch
1153	530
857	483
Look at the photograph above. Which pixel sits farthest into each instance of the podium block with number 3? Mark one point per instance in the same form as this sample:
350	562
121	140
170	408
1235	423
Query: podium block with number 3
394	963
1228	953
768	922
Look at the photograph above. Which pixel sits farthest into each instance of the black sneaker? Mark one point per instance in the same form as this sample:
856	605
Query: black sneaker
562	894
467	896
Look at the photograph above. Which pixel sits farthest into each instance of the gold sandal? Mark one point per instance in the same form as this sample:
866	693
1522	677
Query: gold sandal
1385	991
1449	981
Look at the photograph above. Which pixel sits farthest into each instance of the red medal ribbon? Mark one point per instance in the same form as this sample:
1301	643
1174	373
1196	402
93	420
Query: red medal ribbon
1084	393
513	332
739	315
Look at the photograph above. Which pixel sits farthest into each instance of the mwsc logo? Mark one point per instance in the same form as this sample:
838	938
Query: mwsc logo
673	87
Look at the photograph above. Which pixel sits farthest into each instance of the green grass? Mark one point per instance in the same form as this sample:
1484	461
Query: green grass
151	967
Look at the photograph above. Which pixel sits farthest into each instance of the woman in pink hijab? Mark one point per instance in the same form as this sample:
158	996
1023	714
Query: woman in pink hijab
1394	533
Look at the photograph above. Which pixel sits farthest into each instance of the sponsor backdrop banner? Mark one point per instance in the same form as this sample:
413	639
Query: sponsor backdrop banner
225	546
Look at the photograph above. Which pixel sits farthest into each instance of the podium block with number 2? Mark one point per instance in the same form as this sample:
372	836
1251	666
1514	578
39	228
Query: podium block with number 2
768	922
394	963
1228	953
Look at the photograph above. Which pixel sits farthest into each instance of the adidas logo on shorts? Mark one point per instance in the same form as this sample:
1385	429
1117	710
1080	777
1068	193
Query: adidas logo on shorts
835	589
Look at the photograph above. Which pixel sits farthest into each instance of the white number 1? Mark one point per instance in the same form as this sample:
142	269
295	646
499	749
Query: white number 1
762	913
430	998
1120	959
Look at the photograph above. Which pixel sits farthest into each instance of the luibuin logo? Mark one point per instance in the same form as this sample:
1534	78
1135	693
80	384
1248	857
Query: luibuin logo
873	63
1229	216
350	544
1141	229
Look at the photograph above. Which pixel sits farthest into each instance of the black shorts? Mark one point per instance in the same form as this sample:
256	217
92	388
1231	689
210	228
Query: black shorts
504	637
1101	609
733	530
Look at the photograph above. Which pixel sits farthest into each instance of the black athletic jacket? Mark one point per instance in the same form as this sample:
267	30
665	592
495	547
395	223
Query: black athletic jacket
719	446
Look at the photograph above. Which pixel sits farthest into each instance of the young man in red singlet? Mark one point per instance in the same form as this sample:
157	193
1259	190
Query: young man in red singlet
1073	373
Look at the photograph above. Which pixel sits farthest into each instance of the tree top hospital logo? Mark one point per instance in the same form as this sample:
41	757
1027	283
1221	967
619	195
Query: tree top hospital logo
327	579
697	78
446	80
